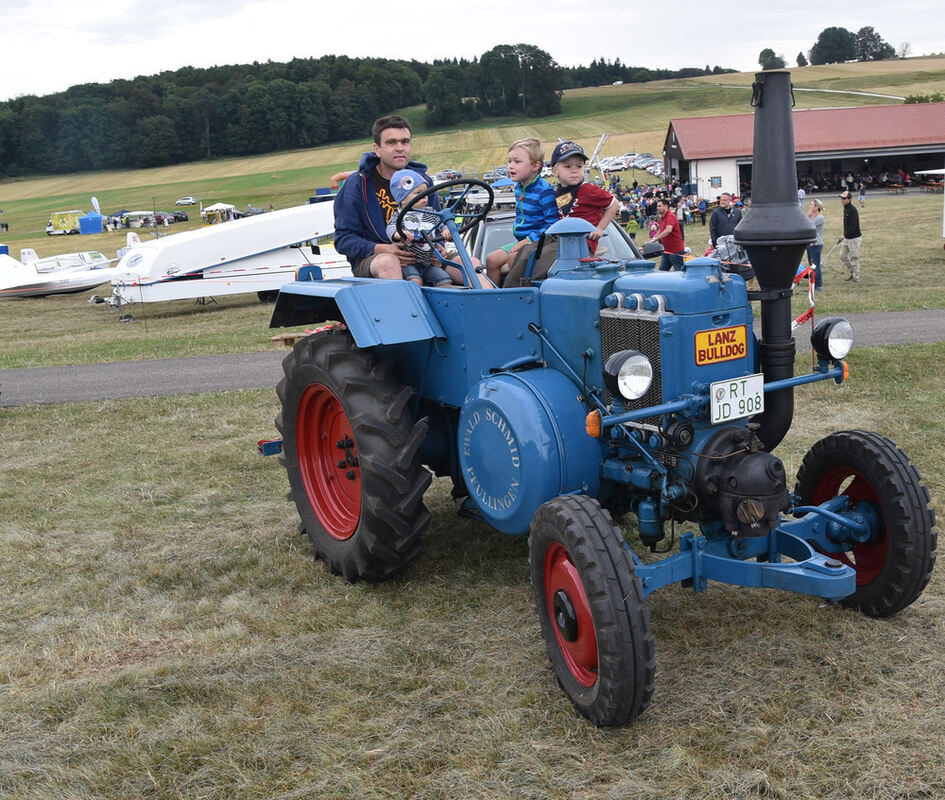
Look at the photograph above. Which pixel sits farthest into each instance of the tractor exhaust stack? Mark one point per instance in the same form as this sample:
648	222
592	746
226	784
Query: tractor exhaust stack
775	234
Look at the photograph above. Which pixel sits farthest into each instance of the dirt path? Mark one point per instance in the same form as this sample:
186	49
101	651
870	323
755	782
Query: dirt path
171	376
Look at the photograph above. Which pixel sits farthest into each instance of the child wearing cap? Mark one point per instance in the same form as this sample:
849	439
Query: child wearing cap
535	209
405	184
575	197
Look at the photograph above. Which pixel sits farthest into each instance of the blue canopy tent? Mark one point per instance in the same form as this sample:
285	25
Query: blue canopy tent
90	223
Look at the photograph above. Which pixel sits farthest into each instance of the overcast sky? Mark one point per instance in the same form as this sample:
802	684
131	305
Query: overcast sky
48	46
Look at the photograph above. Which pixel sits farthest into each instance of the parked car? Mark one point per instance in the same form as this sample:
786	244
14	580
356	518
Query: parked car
447	175
619	164
494	175
160	216
186	201
180	216
495	231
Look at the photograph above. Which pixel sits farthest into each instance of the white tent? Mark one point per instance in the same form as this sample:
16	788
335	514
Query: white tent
219	212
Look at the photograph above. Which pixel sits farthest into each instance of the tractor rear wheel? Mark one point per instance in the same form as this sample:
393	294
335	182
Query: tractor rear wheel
593	615
350	450
891	571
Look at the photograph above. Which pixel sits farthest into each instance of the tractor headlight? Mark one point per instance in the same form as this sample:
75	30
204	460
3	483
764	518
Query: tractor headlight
832	338
628	373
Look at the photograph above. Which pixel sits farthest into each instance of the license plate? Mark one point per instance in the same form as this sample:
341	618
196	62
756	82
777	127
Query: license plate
736	398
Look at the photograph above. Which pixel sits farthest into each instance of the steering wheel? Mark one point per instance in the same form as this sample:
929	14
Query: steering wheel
449	212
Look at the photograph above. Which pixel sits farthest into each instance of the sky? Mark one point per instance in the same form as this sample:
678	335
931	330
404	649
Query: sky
47	47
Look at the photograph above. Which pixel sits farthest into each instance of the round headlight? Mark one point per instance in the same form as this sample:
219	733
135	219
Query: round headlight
832	338
628	373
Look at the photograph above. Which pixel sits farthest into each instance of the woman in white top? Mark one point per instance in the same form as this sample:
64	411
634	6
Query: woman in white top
816	215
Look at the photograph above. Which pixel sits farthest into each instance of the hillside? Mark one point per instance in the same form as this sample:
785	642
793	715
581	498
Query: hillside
635	115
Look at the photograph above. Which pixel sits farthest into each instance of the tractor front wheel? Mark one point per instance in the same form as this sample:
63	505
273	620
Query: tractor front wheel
893	569
350	450
592	611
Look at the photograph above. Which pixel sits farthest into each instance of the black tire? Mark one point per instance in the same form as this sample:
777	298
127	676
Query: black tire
593	615
867	467
350	450
269	296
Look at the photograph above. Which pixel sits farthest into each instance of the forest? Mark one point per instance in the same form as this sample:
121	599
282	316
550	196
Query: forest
192	114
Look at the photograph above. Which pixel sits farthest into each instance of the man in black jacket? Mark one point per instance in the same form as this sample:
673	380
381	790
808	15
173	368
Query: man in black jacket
850	241
724	219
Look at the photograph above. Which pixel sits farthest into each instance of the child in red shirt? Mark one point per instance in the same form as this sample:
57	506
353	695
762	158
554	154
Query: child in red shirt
577	198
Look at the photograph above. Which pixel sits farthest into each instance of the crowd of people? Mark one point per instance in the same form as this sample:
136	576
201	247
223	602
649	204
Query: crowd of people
855	182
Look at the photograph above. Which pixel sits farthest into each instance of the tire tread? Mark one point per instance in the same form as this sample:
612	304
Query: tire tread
906	508
393	515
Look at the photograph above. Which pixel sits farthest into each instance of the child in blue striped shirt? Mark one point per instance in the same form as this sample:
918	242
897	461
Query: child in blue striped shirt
535	206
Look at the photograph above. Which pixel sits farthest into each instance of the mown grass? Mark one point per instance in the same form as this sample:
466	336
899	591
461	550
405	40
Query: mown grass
901	255
166	634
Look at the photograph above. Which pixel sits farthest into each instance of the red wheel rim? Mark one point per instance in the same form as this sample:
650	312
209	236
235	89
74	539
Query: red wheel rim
579	649
868	558
328	461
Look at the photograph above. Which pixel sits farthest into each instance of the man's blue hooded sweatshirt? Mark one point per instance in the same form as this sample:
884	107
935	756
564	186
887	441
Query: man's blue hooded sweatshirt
359	220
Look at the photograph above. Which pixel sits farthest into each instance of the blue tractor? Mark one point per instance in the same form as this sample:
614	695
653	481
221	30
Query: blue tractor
604	389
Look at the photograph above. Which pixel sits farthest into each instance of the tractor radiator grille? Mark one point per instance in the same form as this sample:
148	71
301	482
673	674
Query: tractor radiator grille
627	330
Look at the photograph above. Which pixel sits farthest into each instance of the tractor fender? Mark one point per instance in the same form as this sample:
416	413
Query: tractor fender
522	441
376	311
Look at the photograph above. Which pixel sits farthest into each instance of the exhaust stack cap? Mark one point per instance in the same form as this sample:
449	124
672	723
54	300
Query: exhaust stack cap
775	232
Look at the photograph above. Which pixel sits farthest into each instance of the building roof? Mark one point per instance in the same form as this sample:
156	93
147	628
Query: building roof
816	130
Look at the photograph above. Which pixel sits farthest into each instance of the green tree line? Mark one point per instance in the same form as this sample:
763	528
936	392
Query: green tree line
835	45
191	114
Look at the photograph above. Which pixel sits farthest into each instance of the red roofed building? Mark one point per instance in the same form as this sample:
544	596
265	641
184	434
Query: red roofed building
715	152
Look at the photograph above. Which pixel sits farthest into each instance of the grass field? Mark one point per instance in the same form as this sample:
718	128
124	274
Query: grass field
164	632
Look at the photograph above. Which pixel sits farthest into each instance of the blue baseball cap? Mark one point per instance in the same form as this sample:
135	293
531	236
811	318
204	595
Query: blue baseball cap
405	181
564	150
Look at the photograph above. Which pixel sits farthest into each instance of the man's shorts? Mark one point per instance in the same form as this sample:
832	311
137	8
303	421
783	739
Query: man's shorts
363	268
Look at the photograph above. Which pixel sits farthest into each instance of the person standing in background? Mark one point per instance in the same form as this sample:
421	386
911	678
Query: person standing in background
814	251
852	237
670	236
724	219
